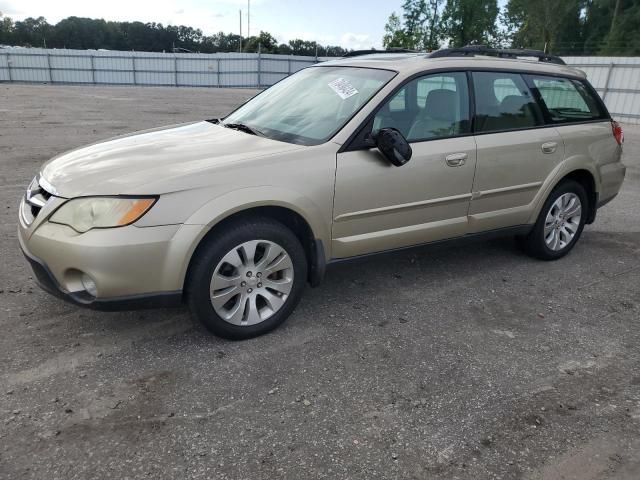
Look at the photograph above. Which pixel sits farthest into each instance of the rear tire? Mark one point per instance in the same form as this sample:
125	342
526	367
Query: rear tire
559	224
247	279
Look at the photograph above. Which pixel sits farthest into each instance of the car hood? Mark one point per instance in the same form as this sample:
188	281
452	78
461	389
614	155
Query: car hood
154	161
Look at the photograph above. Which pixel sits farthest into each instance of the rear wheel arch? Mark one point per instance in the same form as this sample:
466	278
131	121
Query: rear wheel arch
587	180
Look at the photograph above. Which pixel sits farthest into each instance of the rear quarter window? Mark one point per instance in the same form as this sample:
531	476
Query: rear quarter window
567	100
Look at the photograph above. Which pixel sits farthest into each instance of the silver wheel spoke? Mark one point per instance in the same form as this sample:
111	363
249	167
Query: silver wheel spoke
252	314
236	313
555	240
232	258
220	297
548	228
273	301
222	281
282	262
245	291
282	286
574	211
571	227
249	251
270	254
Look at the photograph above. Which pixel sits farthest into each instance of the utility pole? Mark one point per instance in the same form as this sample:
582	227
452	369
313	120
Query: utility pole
248	18
614	19
240	12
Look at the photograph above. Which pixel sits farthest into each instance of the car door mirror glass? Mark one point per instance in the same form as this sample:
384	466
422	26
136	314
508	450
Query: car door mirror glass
393	146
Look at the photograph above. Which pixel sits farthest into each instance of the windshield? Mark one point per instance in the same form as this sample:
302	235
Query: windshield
309	107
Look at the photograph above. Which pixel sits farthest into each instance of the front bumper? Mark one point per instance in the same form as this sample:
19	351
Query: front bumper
45	280
132	267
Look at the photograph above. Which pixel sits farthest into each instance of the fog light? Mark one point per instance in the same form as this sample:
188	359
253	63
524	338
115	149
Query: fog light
89	285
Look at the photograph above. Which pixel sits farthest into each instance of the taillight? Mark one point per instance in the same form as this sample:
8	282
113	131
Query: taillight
618	134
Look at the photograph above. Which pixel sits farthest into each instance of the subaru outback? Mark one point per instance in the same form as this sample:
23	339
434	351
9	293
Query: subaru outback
350	157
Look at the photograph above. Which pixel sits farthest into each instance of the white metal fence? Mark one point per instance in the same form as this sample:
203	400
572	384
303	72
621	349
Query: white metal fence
147	68
617	79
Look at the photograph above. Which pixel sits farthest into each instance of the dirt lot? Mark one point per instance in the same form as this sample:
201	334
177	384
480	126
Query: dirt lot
442	362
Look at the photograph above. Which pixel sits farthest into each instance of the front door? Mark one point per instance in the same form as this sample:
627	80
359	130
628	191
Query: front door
379	206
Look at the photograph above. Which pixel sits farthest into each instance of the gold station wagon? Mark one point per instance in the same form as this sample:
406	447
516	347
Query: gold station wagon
350	157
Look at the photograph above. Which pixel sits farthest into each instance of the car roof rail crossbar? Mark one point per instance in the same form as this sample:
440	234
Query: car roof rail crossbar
357	53
512	53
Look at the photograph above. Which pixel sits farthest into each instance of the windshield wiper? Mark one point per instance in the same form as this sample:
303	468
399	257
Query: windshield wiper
244	128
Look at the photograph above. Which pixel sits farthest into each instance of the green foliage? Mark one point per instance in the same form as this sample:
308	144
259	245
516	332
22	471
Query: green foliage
394	35
540	23
419	28
468	22
87	33
623	37
563	27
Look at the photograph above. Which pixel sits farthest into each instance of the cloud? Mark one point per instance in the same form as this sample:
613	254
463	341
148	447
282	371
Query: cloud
357	41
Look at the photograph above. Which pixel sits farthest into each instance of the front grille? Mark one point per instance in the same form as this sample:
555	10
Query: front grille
35	198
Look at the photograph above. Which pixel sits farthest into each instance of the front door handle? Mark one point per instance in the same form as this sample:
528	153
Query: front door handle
456	159
549	147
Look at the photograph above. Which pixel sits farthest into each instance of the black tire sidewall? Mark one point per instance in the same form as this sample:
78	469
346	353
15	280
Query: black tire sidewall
541	246
214	248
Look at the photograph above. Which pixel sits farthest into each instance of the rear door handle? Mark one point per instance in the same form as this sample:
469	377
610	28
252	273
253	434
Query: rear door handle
549	147
456	159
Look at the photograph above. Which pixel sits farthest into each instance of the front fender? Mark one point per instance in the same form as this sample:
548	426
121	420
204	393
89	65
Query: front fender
219	208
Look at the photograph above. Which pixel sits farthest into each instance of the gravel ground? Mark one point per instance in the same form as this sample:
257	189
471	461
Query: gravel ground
443	362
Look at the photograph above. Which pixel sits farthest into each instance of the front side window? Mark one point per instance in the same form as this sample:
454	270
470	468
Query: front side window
309	107
430	107
504	102
566	100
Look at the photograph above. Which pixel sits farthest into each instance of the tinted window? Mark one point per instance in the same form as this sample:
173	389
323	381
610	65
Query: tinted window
504	102
398	102
567	100
429	107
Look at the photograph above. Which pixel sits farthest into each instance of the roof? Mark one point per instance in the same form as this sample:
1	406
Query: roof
410	63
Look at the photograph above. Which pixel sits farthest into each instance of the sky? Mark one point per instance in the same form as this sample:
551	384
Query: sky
357	24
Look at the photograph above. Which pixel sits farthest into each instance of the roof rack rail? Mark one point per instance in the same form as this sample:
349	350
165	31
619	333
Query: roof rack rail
513	53
357	53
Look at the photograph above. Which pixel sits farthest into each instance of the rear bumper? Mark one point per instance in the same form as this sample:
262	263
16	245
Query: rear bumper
46	280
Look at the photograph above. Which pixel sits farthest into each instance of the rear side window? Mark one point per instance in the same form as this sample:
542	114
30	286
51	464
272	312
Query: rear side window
566	100
504	102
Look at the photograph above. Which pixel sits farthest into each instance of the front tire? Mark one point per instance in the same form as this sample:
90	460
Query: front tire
247	279
559	224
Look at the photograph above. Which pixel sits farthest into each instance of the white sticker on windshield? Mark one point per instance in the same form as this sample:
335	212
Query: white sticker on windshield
343	88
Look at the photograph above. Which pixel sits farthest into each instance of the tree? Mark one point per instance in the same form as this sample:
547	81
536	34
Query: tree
32	32
623	38
394	34
539	23
470	21
419	28
6	30
421	23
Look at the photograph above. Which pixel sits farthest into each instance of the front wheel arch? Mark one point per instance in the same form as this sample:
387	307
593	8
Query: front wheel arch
313	247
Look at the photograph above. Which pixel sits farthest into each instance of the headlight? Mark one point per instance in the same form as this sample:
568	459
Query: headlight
83	214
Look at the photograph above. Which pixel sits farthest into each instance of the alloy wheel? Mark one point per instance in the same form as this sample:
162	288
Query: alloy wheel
251	282
563	221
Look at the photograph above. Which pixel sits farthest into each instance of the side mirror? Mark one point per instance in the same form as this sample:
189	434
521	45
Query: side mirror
392	145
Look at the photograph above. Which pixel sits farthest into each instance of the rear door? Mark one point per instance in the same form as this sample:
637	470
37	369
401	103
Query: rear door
516	152
584	125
